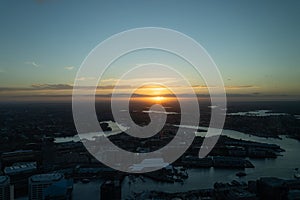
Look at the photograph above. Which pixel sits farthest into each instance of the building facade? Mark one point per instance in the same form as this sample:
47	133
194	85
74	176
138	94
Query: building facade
49	186
5	188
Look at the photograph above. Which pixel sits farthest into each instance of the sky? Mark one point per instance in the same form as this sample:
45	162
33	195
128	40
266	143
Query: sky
255	44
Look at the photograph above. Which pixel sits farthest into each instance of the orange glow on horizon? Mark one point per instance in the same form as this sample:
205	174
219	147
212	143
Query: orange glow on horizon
153	90
158	99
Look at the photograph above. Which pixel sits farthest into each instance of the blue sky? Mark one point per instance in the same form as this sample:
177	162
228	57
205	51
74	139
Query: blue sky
254	43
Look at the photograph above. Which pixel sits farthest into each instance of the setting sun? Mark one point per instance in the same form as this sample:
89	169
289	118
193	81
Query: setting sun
158	98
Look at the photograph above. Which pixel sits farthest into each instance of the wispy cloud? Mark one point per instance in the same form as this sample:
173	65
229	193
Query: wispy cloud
32	63
85	78
202	86
238	87
52	86
140	81
69	67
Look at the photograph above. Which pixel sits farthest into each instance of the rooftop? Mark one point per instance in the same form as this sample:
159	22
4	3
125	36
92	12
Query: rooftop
46	177
20	167
3	179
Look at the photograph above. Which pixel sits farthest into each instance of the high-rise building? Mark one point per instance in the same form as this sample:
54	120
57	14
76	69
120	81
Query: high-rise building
5	188
19	174
111	190
49	186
